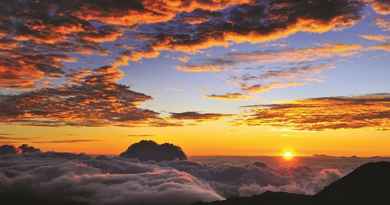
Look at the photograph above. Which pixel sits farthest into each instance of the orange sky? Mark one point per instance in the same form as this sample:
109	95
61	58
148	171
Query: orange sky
216	138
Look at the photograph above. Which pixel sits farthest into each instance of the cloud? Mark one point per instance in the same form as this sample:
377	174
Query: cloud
37	44
292	55
380	38
325	51
91	98
259	88
66	178
272	79
254	22
87	180
296	67
29	39
369	111
196	116
232	178
381	47
188	68
229	96
381	6
295	72
383	24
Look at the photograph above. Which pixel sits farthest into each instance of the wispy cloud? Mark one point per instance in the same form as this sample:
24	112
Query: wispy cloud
383	24
229	96
368	111
380	38
65	141
197	116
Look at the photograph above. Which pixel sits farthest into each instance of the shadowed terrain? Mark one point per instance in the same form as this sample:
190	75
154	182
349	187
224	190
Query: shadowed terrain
367	184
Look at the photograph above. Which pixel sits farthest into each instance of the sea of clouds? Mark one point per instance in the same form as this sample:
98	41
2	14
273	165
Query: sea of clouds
98	180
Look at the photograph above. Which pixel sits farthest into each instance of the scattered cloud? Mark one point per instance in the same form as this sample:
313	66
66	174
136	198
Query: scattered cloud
259	88
381	47
380	38
229	96
292	73
196	116
273	79
295	64
369	111
292	55
188	68
325	51
383	24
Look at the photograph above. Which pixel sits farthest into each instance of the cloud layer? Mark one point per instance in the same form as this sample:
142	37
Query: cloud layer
84	180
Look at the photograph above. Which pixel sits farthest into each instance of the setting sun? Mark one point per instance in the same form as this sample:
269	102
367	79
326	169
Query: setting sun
288	155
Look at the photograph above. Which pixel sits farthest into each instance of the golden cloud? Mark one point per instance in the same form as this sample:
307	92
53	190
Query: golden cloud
380	38
369	111
260	88
381	6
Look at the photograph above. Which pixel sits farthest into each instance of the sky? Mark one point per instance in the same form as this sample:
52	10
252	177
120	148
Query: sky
217	77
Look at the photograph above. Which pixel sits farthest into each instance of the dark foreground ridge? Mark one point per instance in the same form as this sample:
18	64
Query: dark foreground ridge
368	184
151	151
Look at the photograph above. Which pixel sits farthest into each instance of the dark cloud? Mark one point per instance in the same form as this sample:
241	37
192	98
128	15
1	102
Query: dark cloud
257	21
37	37
7	149
369	111
25	149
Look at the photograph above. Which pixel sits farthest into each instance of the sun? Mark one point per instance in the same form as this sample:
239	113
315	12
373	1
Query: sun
288	155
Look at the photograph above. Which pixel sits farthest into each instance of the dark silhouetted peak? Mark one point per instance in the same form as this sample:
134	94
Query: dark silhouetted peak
146	150
366	184
267	198
28	149
7	149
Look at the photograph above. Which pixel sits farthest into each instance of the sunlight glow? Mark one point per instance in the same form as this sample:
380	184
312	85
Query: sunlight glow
288	155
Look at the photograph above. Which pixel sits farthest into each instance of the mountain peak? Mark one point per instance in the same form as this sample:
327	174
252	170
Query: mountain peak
367	183
147	150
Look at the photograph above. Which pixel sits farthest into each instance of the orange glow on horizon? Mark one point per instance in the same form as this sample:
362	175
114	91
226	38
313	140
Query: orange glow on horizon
288	155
